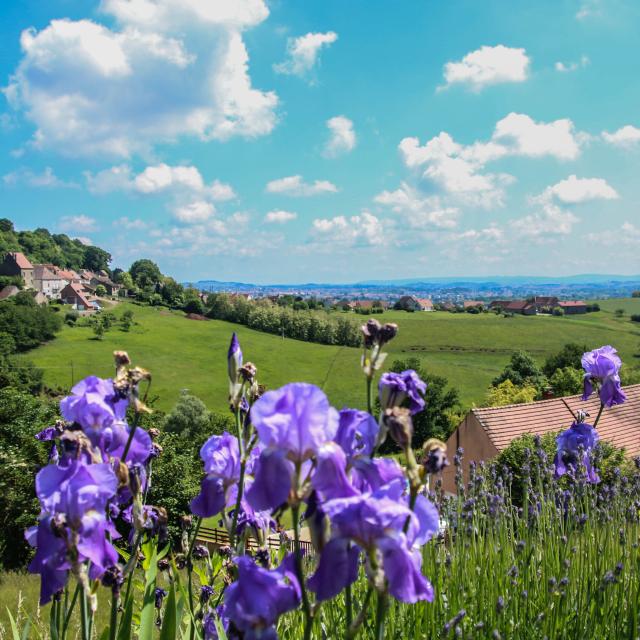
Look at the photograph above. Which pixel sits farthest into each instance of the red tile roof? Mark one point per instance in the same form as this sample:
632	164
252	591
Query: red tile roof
518	304
425	302
619	425
21	260
572	303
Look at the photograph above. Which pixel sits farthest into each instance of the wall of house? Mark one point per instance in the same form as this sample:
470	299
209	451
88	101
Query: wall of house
476	444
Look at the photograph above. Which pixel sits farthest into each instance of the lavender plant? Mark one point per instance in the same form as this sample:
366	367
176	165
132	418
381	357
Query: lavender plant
393	556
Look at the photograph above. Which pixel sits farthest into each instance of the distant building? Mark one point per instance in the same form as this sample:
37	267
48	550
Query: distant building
369	304
573	307
47	281
16	264
499	304
411	303
523	307
545	302
470	304
9	291
111	287
74	295
485	432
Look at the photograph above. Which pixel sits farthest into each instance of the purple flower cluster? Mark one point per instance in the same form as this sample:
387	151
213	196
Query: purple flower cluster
85	485
395	388
575	445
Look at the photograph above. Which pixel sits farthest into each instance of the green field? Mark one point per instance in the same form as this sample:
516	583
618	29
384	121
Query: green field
470	350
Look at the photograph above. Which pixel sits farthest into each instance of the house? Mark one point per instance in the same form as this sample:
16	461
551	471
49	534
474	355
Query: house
47	282
9	291
485	432
545	302
74	295
523	307
448	306
17	264
573	307
471	304
369	304
39	297
111	287
499	304
411	303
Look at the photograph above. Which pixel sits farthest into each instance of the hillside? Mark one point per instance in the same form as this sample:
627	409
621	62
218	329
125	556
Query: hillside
469	350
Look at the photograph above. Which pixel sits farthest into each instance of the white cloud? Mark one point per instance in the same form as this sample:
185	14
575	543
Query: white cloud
487	66
521	135
296	186
361	230
170	68
417	210
568	67
574	190
84	240
551	220
127	223
193	212
78	223
113	179
162	177
589	9
303	52
280	216
342	136
46	179
626	136
628	234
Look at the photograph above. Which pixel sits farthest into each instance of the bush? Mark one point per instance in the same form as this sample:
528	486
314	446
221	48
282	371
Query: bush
619	313
28	323
558	311
635	317
569	356
507	392
71	317
566	381
522	370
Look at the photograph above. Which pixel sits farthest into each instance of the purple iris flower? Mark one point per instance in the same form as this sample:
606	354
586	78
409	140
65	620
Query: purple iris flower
574	446
395	388
603	365
209	624
374	522
112	441
357	433
260	596
234	358
292	423
93	404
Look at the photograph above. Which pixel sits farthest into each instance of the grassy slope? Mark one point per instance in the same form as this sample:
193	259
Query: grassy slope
469	350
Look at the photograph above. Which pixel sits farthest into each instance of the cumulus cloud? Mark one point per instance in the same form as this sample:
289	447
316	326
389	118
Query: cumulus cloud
418	211
627	136
197	211
169	68
360	230
46	179
550	220
135	224
488	66
574	190
628	234
79	223
342	136
297	187
280	216
303	53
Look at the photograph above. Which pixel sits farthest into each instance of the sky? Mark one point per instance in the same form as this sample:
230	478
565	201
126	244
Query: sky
279	141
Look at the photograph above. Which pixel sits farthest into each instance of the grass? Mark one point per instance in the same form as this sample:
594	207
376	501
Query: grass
470	350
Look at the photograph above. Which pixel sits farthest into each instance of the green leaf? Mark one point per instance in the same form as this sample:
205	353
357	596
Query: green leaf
53	626
27	628
168	631
14	627
147	622
219	628
124	632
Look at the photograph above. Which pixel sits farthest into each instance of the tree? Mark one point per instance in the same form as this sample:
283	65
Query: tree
507	392
566	381
619	313
194	306
634	294
442	404
145	273
98	327
96	259
190	417
126	320
569	356
522	370
101	291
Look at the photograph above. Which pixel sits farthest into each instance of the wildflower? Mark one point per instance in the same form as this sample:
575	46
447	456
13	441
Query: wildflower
603	366
357	433
292	423
395	388
255	601
575	445
206	591
160	595
234	359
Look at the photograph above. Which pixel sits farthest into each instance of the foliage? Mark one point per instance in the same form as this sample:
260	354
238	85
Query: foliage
191	420
566	381
126	320
101	291
619	313
41	246
635	317
145	273
635	294
523	371
20	374
569	356
28	323
21	455
506	392
263	315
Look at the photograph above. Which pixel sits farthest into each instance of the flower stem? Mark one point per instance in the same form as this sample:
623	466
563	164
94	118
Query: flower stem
69	611
243	464
192	628
381	613
357	623
349	609
595	424
134	426
369	385
83	615
113	622
306	608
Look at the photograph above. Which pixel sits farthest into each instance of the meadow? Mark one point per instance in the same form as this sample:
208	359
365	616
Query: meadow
469	350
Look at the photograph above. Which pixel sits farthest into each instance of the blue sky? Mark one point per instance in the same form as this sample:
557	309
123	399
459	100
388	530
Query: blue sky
283	141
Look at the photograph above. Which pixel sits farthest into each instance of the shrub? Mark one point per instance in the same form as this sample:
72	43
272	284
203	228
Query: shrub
71	317
569	356
507	392
566	381
558	311
635	317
